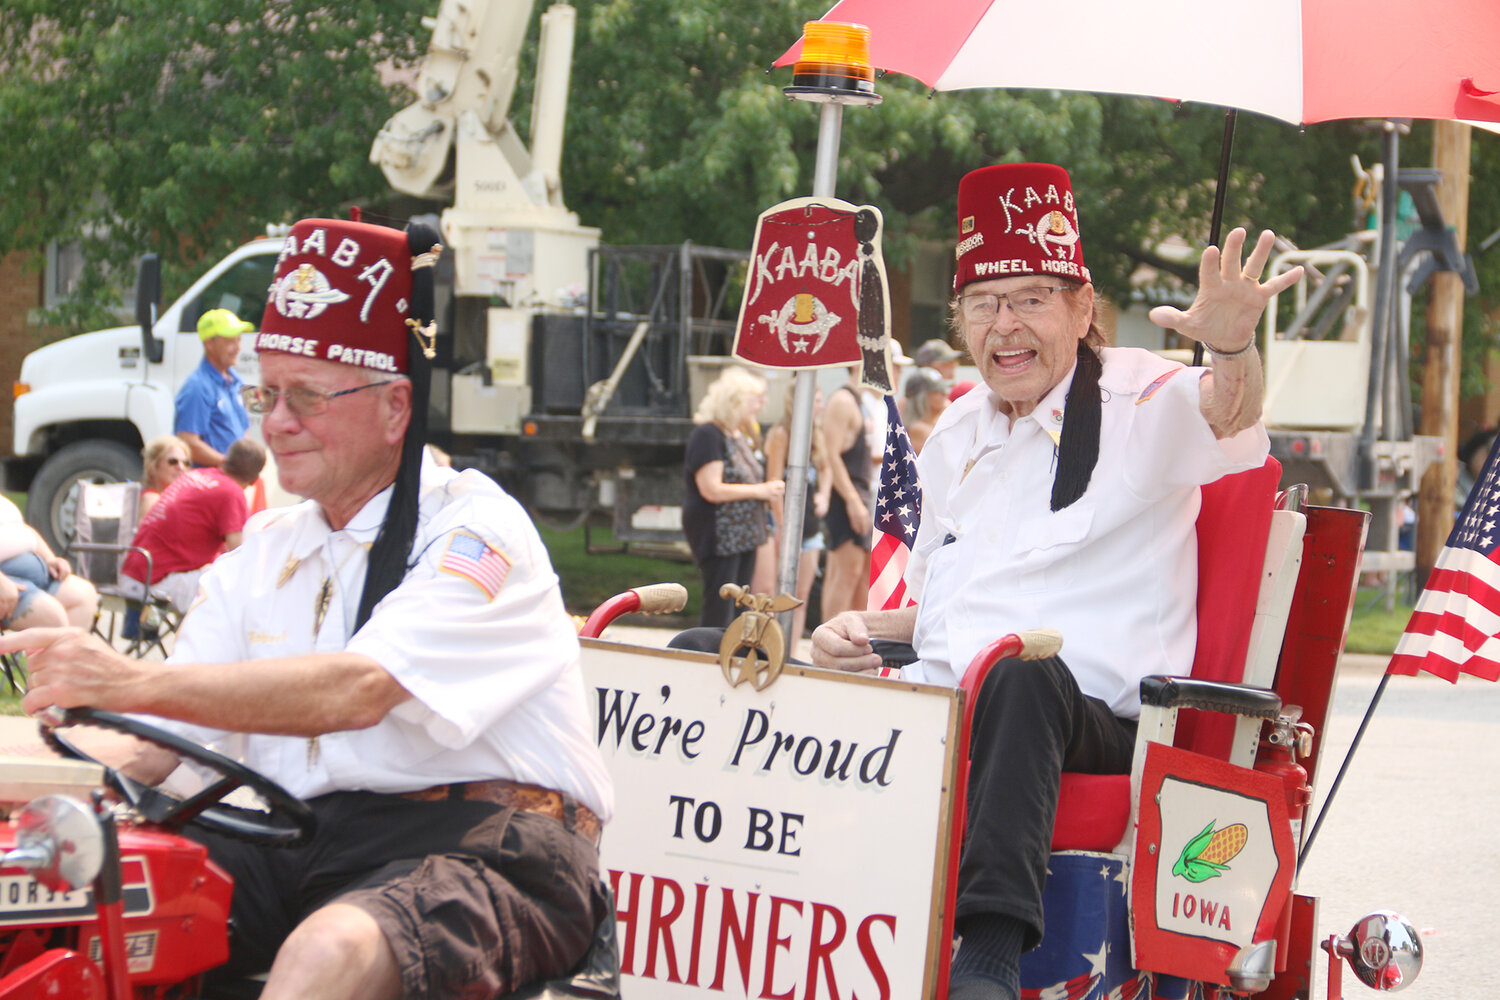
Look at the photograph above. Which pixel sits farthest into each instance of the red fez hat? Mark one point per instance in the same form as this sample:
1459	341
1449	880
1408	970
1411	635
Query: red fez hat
342	292
1017	218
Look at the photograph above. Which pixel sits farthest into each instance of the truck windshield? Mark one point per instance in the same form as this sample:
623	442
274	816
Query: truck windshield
241	290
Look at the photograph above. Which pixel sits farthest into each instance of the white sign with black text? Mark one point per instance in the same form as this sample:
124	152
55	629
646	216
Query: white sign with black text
779	843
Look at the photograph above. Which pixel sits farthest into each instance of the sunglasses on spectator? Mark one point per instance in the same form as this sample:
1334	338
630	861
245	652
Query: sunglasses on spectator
184	463
302	401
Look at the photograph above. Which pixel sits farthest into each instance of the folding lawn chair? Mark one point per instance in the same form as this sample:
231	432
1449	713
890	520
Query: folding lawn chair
108	514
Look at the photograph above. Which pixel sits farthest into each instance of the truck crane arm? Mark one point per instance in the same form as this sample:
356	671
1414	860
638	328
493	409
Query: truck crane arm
460	123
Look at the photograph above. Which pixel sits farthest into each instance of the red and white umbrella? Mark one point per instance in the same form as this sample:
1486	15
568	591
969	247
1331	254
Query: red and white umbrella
1298	60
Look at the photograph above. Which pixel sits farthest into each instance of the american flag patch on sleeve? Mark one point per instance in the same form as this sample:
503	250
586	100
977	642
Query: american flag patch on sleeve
470	557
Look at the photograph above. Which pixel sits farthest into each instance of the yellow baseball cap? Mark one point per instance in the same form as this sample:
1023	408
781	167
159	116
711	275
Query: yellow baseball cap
222	323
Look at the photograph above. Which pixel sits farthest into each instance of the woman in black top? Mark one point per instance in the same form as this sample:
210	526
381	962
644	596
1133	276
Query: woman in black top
724	514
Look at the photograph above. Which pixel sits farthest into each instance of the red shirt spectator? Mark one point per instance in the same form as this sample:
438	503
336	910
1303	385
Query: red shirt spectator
187	527
198	517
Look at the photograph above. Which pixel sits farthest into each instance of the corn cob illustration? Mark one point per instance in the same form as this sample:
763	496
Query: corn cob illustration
1208	854
1225	844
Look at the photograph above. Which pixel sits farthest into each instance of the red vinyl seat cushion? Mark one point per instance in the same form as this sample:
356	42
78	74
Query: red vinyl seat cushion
1233	522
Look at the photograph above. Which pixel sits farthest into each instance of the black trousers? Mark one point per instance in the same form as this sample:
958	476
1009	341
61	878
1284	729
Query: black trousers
717	571
1031	723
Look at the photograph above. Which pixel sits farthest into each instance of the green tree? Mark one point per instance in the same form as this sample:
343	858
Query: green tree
182	126
688	136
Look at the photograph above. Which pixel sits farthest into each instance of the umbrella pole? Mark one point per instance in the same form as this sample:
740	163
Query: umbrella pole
1221	185
799	445
1221	189
1343	767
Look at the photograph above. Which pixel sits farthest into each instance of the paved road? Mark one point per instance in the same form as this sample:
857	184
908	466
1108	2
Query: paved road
1413	827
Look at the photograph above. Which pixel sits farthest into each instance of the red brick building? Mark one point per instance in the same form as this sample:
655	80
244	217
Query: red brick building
22	293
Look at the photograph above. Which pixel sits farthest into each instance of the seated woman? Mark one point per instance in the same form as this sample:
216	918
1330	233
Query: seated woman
163	460
200	517
46	591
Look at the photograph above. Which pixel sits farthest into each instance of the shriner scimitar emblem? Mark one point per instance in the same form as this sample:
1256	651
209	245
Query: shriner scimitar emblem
304	293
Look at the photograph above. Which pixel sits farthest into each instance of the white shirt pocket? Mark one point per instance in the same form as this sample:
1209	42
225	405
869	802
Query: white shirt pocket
1048	549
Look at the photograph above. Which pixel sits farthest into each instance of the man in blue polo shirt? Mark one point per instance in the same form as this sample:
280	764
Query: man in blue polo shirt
210	414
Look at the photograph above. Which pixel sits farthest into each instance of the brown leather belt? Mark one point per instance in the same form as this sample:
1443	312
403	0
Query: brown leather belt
572	814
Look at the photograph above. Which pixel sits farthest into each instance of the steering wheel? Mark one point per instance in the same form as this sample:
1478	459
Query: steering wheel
289	822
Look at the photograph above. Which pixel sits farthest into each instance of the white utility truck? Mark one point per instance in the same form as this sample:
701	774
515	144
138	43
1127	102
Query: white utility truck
565	369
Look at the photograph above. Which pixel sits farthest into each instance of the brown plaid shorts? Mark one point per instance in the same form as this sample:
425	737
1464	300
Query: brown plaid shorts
475	899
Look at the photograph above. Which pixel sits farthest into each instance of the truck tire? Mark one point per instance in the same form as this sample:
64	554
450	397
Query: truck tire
52	503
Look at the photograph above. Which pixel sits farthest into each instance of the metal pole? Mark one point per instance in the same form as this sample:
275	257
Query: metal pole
799	447
1221	189
1333	789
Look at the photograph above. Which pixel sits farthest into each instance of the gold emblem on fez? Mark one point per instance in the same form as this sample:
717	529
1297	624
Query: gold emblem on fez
305	292
1053	233
967	226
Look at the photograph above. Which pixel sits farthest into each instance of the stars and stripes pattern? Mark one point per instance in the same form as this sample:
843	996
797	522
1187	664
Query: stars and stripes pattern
898	511
1455	627
471	557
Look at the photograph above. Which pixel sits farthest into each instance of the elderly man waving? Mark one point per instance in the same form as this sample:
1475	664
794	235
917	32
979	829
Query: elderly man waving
1063	493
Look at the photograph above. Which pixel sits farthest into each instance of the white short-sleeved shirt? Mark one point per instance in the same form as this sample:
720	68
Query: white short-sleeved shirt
1116	572
477	633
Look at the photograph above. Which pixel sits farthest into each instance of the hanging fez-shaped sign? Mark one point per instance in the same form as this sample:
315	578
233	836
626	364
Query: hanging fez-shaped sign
816	294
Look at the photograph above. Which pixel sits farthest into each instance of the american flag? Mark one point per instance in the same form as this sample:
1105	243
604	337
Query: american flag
470	557
898	511
1455	627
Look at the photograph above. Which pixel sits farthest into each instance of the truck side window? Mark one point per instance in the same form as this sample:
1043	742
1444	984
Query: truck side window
241	290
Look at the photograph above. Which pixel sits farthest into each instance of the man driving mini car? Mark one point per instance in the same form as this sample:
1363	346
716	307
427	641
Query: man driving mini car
1064	496
394	650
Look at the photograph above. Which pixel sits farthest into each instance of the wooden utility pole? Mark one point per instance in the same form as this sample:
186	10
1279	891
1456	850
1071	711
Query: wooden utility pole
1445	324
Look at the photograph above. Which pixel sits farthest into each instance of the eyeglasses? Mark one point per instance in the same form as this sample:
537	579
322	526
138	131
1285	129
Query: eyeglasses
302	401
984	307
184	463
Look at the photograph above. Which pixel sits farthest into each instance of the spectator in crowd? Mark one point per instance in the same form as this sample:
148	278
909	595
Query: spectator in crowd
854	467
1063	490
940	356
926	399
199	518
37	586
162	461
725	514
815	505
210	414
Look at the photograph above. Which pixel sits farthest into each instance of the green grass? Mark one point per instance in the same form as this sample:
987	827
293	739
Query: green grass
593	568
1373	629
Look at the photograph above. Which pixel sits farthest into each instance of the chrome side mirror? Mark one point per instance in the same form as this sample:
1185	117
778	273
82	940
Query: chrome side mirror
1383	949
